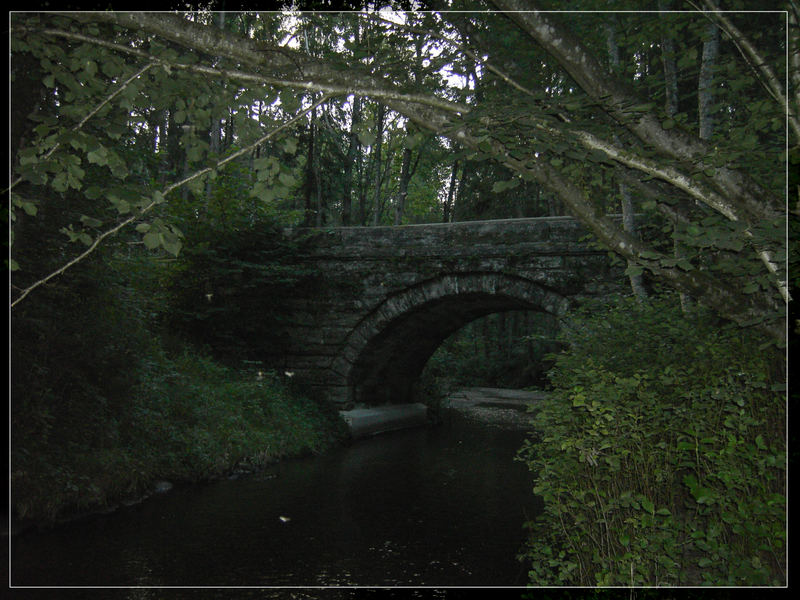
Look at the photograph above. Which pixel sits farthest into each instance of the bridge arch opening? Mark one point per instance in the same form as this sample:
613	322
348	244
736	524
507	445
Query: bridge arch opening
386	353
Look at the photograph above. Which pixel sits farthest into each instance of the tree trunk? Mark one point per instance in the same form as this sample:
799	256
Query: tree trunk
405	176
352	148
628	222
448	204
377	162
670	67
308	192
459	196
705	93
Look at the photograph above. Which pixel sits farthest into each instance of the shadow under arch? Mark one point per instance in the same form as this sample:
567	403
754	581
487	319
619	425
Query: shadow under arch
386	352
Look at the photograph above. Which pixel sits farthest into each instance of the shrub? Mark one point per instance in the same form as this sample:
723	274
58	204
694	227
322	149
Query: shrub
662	454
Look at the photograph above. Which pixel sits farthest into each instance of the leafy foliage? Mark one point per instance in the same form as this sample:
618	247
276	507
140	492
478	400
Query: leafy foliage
229	289
661	458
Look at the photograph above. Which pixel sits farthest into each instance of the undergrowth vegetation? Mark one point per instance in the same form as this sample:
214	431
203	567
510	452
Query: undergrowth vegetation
108	398
660	455
187	419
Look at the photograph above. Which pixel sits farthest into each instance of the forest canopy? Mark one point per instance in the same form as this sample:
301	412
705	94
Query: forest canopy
142	125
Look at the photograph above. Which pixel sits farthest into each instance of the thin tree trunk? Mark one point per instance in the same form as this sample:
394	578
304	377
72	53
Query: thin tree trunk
214	134
448	204
405	176
362	190
628	222
319	206
670	67
705	93
705	121
459	196
352	148
308	192
377	161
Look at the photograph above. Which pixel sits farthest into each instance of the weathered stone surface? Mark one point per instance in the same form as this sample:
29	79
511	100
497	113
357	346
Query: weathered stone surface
388	296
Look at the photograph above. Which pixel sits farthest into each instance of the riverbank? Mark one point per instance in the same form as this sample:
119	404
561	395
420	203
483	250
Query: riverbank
303	428
423	506
188	420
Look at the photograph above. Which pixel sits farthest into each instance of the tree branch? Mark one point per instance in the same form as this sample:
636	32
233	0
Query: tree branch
617	97
333	88
90	114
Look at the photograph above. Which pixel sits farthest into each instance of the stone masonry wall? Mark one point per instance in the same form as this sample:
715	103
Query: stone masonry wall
386	297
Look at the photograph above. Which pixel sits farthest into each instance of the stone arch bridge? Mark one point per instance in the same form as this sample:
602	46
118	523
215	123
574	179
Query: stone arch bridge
387	297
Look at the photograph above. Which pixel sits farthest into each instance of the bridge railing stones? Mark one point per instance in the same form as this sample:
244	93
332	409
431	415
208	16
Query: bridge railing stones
386	297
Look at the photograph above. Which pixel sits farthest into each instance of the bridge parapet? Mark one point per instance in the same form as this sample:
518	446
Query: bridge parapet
542	235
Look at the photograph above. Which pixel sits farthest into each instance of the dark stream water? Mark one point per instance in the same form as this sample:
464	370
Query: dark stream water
438	506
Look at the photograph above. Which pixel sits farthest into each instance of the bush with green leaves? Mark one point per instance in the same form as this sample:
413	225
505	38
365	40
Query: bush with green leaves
187	419
660	455
230	289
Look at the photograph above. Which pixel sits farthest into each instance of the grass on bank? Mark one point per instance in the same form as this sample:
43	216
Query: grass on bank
188	419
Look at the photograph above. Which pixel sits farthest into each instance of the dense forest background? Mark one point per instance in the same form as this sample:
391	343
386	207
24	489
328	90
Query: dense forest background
156	157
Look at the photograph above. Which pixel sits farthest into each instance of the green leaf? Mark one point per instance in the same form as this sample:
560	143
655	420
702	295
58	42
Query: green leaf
98	156
93	192
647	505
634	270
501	186
287	179
28	156
703	495
170	242
263	163
26	205
290	101
290	145
90	221
412	141
263	192
151	240
59	182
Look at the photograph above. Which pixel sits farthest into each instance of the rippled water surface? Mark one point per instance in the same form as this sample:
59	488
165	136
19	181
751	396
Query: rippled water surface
438	506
